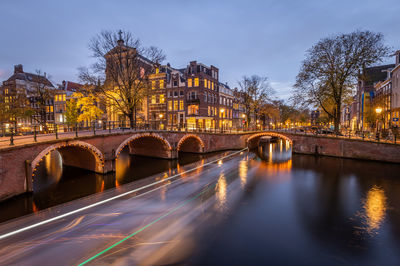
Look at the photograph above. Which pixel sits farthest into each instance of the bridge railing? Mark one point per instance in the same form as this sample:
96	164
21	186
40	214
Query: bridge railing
12	134
363	136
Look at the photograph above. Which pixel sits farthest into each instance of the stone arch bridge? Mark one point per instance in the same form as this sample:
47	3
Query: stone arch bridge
98	153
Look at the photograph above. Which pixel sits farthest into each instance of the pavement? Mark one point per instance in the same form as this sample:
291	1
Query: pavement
151	221
28	139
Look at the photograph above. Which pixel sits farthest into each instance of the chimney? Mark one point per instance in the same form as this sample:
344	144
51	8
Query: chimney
397	57
18	69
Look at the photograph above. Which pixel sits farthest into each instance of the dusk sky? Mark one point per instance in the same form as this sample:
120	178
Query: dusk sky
267	38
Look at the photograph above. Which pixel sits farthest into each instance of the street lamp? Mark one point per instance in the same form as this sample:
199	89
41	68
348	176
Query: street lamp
161	117
378	110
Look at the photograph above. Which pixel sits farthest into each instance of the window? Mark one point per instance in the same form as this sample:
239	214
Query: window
162	98
189	82
181	93
175	93
175	83
192	95
196	82
181	105
153	84
169	105
157	70
205	83
193	109
153	99
175	105
205	97
161	84
212	85
64	97
209	110
170	94
209	85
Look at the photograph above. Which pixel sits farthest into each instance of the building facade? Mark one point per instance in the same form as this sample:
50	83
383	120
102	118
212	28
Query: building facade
29	99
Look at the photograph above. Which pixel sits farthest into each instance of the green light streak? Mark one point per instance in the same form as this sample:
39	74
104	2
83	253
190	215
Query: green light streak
144	227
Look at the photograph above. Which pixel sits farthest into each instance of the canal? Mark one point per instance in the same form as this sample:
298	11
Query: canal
55	184
268	207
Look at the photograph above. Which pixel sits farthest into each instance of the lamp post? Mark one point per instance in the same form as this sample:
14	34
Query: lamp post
378	110
222	124
161	117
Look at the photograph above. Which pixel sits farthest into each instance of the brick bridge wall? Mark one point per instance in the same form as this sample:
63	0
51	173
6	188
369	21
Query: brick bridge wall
98	153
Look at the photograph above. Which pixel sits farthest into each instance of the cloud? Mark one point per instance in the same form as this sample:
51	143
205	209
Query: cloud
283	90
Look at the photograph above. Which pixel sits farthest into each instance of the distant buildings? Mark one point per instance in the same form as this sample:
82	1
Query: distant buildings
25	97
377	100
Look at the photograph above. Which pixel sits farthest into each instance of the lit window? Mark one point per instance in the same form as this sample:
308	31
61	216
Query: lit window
212	85
196	82
64	97
162	98
169	105
189	82
175	105
153	84
181	105
153	99
205	83
193	109
162	84
157	70
209	85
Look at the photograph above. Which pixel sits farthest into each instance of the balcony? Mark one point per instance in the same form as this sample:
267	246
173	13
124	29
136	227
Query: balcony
192	100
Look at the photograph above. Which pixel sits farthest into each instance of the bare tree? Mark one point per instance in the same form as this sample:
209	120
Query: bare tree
332	67
40	95
124	65
255	91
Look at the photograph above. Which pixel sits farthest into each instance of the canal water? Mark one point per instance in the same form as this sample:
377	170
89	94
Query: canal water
56	184
307	210
290	210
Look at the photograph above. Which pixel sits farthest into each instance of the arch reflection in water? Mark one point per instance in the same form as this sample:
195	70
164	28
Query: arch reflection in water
220	190
243	169
275	151
49	172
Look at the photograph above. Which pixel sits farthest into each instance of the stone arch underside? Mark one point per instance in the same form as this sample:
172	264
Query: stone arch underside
75	153
151	145
190	143
253	141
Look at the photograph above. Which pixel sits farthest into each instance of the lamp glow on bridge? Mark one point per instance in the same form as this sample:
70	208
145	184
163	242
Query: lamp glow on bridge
378	110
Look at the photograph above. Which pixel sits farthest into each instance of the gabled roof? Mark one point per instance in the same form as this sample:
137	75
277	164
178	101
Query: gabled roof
71	86
375	74
30	78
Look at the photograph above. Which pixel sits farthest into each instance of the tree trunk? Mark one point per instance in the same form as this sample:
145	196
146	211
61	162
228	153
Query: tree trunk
337	119
131	119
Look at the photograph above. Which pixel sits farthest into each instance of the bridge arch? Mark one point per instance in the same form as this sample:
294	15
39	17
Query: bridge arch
190	143
253	140
147	144
74	153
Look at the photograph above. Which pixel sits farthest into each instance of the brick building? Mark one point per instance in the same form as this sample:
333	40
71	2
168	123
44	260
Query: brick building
395	99
366	92
26	90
